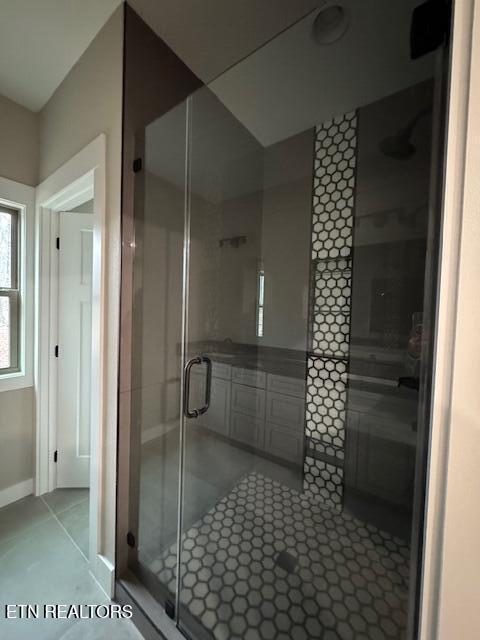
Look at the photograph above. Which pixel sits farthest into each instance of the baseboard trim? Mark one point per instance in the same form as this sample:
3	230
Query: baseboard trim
104	574
16	492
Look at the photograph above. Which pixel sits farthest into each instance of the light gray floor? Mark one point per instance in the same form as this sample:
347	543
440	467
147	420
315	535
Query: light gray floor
42	546
212	469
70	507
262	559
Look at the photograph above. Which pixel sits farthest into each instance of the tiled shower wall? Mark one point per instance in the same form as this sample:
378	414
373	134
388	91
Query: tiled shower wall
329	315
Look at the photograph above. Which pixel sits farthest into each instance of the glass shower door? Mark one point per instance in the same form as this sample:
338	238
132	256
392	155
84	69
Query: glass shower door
157	349
311	217
243	454
286	218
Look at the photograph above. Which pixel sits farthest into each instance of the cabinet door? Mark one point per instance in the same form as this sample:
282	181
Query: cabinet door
385	467
217	417
221	370
286	411
250	377
247	429
249	401
286	386
283	443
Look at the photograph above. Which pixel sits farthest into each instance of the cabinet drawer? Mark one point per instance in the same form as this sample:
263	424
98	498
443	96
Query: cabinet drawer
217	418
287	386
248	400
221	370
247	429
250	377
286	411
283	443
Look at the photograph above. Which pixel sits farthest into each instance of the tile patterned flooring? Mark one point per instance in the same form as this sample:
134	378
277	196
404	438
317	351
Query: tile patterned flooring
42	547
267	562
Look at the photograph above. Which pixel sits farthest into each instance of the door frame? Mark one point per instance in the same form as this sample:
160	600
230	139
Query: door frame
81	178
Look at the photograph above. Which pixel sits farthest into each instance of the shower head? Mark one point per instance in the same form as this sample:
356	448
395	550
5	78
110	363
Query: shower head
399	145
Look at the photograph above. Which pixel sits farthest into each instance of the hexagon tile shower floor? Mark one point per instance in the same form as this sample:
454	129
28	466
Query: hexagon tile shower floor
270	563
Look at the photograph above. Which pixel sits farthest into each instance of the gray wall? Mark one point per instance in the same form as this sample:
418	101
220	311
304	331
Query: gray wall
18	143
18	162
86	104
158	310
17	436
287	199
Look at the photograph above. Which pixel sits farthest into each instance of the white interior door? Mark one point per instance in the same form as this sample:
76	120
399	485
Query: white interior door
74	349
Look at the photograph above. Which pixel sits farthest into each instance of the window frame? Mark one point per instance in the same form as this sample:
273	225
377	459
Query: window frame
21	198
14	293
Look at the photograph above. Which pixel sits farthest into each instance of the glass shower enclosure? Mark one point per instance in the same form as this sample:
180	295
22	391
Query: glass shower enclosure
282	261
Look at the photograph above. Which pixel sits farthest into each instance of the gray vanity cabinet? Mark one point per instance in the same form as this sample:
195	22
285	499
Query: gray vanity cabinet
247	419
268	412
247	429
217	418
380	450
249	401
283	443
262	410
285	417
285	411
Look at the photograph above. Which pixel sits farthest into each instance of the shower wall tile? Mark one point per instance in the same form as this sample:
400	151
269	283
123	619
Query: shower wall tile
330	306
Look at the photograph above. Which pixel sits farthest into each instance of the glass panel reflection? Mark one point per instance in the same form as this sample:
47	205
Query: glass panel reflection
157	335
308	203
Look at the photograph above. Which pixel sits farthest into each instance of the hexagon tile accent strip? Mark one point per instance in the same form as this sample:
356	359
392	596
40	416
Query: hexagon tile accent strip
330	297
269	563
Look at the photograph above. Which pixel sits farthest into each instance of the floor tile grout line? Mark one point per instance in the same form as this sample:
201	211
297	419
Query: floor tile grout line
64	529
71	506
26	530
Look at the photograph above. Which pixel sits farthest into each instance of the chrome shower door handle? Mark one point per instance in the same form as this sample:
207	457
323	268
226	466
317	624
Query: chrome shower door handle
186	388
208	386
194	413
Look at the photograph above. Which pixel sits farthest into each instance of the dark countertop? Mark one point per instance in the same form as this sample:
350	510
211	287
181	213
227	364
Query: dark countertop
276	365
293	364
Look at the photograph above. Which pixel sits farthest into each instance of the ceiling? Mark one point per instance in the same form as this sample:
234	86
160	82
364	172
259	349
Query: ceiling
40	41
293	83
212	35
287	86
283	81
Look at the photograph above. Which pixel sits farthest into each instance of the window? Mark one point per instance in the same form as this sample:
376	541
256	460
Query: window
9	290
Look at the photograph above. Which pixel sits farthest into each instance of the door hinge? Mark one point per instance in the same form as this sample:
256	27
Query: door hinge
137	165
58	243
170	609
131	539
56	351
55	456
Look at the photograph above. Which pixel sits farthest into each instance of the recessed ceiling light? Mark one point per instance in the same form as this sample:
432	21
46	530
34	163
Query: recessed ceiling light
330	24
